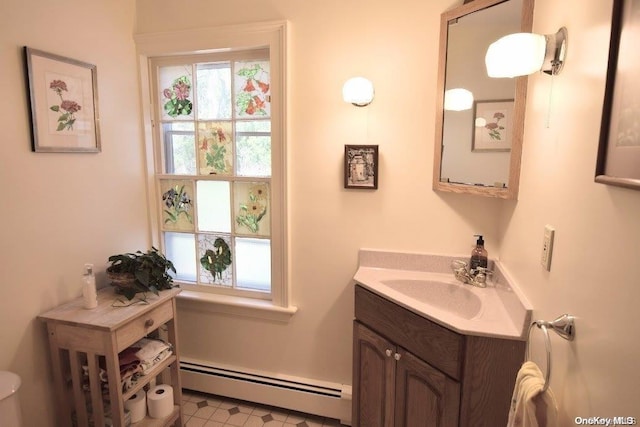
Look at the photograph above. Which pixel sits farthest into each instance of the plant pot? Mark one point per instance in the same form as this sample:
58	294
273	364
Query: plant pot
122	280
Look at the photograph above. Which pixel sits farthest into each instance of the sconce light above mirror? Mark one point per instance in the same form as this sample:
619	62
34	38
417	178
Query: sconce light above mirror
358	91
521	54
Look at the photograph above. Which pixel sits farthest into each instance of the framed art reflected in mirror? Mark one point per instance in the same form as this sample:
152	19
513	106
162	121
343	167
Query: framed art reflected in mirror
493	123
619	149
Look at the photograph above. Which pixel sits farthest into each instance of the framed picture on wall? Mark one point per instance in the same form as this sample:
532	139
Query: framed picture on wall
63	95
492	126
361	166
619	148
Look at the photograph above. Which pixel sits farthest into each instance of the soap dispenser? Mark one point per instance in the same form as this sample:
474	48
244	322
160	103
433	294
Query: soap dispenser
89	291
478	254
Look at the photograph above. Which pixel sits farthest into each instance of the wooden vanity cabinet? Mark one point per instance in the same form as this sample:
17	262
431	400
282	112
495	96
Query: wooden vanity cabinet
94	338
398	389
409	371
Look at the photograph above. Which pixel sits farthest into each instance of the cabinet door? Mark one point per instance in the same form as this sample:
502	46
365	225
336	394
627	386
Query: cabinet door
424	396
373	378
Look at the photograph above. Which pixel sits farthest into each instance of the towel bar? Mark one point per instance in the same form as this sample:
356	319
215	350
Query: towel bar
563	326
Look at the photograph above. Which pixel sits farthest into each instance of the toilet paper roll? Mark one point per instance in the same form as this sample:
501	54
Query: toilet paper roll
137	405
160	401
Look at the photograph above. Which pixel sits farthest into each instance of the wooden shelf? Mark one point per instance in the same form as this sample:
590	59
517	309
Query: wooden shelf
160	422
145	379
77	335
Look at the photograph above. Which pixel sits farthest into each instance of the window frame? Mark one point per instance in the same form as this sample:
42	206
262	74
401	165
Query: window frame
272	35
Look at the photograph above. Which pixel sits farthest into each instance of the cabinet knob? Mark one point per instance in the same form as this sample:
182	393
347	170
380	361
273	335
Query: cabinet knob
397	356
388	352
148	323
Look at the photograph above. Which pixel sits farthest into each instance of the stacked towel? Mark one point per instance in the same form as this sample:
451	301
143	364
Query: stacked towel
530	407
151	352
134	361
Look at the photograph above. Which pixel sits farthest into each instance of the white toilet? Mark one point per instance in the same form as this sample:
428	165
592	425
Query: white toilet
10	415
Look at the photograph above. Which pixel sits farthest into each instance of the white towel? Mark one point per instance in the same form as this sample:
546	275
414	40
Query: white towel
151	352
529	406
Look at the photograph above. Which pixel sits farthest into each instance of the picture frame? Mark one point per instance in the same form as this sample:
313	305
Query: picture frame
618	160
63	100
492	125
361	166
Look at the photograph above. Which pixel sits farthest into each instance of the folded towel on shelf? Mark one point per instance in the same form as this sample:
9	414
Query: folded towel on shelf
530	406
134	361
151	352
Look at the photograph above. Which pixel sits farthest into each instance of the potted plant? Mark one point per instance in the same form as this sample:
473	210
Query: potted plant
132	273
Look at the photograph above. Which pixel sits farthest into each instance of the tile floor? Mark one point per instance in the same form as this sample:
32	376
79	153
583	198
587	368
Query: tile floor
207	410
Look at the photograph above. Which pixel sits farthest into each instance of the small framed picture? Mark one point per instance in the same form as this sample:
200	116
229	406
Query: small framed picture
493	122
361	166
63	95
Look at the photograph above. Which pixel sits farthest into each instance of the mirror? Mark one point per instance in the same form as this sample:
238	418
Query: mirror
478	145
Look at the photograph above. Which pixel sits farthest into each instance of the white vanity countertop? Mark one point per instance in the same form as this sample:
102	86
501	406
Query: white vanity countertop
504	312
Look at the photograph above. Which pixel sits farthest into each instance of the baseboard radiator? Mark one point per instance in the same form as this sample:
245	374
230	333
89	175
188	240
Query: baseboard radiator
299	394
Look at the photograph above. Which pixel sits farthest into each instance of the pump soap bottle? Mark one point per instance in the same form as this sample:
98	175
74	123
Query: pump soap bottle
478	254
89	291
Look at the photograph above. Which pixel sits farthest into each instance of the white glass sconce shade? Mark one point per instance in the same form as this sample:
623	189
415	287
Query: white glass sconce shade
521	54
458	99
358	91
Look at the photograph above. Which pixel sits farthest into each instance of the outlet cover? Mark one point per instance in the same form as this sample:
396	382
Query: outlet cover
547	247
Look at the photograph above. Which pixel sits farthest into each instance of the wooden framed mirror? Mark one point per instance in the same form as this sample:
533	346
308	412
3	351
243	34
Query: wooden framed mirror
478	145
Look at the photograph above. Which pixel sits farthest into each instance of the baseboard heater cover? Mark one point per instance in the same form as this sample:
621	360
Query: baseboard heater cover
299	394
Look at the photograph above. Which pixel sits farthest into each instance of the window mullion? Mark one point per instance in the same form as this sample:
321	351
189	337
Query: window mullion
175	136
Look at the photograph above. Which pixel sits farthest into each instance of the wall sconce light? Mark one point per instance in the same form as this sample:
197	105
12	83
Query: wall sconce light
358	91
458	99
521	54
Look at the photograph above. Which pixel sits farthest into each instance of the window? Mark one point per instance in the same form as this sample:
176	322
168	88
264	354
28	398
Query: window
219	166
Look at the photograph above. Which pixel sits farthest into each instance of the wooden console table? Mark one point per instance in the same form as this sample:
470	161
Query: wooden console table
78	336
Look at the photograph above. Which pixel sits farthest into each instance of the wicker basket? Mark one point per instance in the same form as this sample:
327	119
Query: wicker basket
122	280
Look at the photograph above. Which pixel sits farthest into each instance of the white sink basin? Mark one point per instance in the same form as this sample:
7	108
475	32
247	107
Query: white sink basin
452	298
425	285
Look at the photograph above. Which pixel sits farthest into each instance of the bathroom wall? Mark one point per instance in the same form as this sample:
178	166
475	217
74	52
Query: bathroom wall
59	211
594	267
396	46
597	227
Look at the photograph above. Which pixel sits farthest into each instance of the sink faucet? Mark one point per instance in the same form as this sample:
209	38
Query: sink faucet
474	276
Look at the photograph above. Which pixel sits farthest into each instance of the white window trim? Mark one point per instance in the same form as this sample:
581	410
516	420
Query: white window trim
267	34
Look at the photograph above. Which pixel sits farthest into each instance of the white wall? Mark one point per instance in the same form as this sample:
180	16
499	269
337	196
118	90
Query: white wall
594	268
59	211
396	46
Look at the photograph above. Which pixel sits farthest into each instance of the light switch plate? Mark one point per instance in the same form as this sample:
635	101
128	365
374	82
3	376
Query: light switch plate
547	247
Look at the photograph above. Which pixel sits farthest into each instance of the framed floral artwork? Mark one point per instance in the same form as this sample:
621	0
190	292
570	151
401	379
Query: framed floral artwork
361	166
492	126
618	161
63	99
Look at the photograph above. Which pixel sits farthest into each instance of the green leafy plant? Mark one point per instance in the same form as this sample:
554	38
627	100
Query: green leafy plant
177	202
253	210
177	96
137	272
494	128
253	98
67	108
217	260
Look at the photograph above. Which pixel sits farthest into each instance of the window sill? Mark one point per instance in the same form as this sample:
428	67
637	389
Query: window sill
247	307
